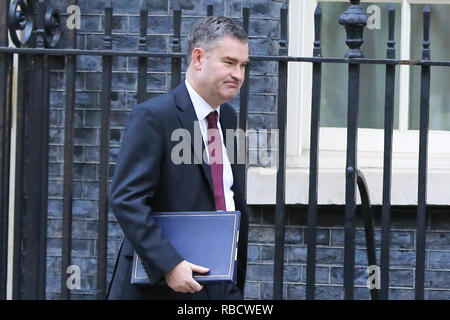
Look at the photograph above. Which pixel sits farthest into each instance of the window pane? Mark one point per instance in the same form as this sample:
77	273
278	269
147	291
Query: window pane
372	78
440	76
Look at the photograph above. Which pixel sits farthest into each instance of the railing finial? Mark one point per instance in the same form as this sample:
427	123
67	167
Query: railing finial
40	25
143	5
284	30
176	5
143	15
426	53
107	37
317	30
354	19
391	37
210	10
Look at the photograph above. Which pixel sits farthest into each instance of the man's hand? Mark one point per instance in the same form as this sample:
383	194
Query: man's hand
180	277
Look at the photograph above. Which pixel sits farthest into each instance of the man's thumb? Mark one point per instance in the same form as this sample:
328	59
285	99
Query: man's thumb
199	269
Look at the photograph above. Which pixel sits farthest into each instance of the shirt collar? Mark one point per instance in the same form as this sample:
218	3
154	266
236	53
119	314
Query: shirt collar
201	107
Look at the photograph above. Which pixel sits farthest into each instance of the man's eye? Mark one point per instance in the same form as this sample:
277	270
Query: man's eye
228	62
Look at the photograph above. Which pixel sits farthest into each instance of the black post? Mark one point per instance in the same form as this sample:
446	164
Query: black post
353	19
245	89
176	45
19	205
102	249
387	166
423	157
66	246
244	95
35	169
280	208
5	145
20	20
314	161
142	61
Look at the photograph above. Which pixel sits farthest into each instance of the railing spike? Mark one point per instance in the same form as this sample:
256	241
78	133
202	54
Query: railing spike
284	30
143	6
176	5
318	10
391	42
426	33
317	30
210	10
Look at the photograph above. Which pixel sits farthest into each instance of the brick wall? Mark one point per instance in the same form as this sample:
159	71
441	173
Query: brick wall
330	253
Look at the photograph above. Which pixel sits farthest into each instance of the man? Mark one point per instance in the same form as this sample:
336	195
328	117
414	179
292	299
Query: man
147	180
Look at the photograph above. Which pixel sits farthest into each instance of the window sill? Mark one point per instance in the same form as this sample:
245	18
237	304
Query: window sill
261	182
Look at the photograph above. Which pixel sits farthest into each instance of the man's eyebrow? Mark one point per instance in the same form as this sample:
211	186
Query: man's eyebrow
235	59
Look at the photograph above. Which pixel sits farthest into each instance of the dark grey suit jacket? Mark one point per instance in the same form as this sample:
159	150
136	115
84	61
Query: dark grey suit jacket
146	180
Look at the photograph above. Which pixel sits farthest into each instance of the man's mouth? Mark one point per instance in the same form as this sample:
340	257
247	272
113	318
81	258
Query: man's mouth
232	84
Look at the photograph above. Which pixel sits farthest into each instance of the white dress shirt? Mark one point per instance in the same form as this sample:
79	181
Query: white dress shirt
202	109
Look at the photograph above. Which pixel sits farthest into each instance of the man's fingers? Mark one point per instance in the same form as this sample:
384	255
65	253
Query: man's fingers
190	286
199	269
195	286
196	268
180	277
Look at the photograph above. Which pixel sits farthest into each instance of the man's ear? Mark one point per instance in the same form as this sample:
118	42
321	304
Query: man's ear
198	55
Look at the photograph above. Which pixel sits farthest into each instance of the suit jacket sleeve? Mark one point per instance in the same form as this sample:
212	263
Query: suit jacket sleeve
134	184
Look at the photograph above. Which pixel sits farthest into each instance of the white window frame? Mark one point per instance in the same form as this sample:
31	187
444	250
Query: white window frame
12	162
332	143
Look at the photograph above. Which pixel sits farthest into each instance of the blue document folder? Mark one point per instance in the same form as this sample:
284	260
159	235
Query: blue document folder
208	239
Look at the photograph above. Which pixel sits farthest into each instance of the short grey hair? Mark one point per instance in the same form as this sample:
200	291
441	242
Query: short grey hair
207	31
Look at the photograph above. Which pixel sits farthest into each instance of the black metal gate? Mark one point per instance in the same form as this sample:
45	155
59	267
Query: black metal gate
41	29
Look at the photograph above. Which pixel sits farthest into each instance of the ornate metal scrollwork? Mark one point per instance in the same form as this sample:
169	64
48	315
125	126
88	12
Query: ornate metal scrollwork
52	28
20	19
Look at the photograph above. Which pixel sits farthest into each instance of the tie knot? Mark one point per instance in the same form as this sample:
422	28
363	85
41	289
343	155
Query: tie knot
212	120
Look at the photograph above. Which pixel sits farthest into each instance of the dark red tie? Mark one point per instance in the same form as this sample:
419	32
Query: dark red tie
216	160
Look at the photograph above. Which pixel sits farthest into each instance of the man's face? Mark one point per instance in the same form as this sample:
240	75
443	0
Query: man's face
221	70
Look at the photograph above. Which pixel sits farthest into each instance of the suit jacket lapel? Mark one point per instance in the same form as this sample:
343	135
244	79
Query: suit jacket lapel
188	119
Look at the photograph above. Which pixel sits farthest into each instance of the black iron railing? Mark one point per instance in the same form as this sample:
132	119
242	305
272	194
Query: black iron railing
41	31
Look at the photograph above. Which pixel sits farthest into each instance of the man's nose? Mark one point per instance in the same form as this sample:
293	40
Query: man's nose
238	73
